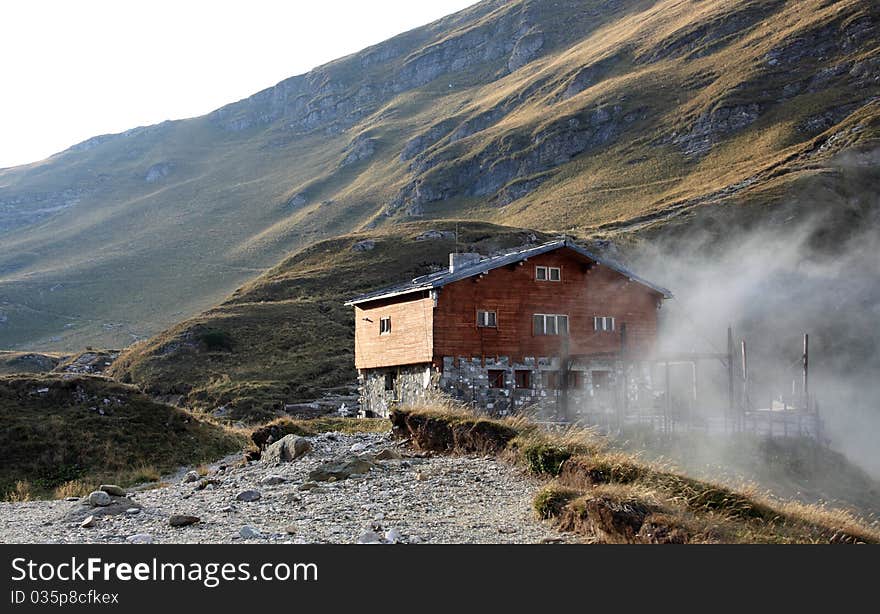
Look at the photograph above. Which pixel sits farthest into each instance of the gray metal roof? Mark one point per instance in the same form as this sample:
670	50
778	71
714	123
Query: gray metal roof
441	278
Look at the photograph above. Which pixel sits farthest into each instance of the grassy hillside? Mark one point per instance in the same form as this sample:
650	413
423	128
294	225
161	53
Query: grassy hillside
71	433
607	496
286	336
594	116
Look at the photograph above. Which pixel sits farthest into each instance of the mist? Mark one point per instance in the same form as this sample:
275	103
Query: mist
811	270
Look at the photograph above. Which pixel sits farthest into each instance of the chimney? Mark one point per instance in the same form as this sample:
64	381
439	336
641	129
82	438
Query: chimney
461	261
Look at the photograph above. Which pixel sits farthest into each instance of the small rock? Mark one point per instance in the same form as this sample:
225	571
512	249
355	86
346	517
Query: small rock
99	498
379	517
286	449
290	530
392	536
71	498
369	537
272	480
249	532
340	469
209	482
308	486
420	476
89	522
112	489
358	447
182	520
191	476
132	511
226	509
140	538
388	454
249	495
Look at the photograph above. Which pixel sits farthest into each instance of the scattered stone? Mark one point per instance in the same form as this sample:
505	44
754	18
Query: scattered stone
205	483
89	522
286	449
290	530
71	498
389	454
358	447
133	511
273	480
99	498
182	520
392	536
249	495
249	532
191	476
140	538
420	476
340	469
252	455
308	486
227	509
369	537
112	489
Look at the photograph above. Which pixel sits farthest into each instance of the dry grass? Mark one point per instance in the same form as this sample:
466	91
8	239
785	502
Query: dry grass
610	496
58	441
20	493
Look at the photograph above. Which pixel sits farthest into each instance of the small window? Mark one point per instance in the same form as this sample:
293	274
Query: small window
551	380
548	273
384	326
486	319
496	378
523	378
550	324
603	323
390	378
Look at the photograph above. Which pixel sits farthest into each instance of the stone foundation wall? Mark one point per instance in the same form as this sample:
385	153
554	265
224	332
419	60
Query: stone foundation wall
410	385
603	386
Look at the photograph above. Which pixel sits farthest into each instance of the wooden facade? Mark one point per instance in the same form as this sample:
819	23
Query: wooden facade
429	325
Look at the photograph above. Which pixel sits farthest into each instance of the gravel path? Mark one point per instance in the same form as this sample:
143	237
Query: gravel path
436	499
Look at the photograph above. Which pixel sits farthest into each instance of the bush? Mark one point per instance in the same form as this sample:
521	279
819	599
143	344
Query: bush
216	340
544	458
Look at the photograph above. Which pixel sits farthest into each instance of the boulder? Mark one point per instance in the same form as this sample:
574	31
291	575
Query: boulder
340	468
389	454
89	522
272	480
182	520
286	449
249	532
112	489
191	476
249	495
99	498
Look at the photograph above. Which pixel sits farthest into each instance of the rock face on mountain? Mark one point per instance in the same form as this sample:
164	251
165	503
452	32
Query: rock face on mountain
578	115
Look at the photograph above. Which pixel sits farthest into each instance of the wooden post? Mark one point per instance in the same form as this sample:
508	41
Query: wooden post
668	399
729	415
806	372
745	380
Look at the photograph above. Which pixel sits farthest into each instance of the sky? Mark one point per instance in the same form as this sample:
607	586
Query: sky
73	69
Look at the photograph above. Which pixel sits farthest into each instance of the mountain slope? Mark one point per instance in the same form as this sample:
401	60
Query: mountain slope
594	116
286	336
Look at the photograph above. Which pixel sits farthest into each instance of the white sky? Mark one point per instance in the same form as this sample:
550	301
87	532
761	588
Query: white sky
72	69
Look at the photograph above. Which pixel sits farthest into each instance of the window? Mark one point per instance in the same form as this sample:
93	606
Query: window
523	378
496	378
390	378
384	326
603	323
548	273
487	319
550	324
574	380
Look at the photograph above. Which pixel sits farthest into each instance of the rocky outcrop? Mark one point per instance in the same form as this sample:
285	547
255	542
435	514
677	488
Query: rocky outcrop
526	49
158	172
711	126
